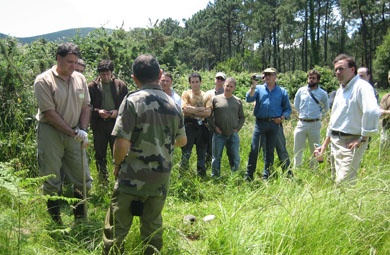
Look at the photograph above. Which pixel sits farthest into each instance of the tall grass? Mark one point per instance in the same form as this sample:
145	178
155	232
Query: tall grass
308	214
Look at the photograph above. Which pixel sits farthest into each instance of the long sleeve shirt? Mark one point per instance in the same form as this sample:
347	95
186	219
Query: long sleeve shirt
307	107
270	104
355	109
227	114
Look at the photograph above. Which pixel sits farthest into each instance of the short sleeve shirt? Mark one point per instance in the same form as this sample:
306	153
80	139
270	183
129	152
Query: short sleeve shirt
151	121
198	100
67	99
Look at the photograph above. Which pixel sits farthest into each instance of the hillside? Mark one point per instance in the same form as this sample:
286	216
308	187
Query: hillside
60	35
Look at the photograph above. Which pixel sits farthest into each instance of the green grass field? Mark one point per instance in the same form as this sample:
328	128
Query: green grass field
308	214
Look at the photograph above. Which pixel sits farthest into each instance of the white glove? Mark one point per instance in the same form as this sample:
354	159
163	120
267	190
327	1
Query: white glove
81	136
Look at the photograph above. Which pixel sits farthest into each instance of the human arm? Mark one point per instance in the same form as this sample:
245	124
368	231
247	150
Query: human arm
251	94
121	148
54	119
325	104
370	111
286	108
180	142
297	100
241	117
384	106
319	151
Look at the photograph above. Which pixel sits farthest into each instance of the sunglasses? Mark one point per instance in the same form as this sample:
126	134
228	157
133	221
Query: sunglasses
220	78
268	74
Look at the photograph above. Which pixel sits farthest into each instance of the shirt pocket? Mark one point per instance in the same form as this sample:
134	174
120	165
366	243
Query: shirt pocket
80	95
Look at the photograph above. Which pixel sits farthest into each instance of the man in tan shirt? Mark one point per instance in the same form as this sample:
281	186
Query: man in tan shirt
196	108
63	117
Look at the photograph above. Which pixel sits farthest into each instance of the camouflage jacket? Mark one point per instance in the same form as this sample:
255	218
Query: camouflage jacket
151	121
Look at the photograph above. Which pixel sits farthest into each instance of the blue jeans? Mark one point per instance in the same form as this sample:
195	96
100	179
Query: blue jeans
280	146
232	144
267	131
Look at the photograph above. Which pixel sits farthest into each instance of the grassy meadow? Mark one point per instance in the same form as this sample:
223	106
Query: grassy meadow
308	214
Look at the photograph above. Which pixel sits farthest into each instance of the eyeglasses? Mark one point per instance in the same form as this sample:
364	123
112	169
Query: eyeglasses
341	68
220	78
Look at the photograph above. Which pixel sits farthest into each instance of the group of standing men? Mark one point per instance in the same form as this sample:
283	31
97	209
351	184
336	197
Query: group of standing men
143	127
149	124
212	121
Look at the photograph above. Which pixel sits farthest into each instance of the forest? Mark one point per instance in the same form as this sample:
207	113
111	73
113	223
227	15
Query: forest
238	38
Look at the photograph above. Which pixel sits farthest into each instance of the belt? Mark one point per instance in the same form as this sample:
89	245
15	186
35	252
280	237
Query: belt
338	133
266	119
309	120
192	121
109	119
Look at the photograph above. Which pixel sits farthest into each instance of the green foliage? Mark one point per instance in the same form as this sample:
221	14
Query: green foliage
382	61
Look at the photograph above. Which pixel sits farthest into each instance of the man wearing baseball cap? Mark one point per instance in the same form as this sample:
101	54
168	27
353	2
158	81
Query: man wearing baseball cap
219	81
272	107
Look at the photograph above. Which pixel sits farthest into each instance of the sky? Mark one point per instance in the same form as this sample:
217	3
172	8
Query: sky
25	18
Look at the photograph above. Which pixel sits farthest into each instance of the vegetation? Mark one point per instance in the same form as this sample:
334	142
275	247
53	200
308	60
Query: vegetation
308	214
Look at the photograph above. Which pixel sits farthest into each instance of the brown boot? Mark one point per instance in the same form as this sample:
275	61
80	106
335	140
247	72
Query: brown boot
53	208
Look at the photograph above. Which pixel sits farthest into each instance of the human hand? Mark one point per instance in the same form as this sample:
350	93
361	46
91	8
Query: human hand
218	130
354	144
82	137
277	120
319	152
114	114
115	172
104	114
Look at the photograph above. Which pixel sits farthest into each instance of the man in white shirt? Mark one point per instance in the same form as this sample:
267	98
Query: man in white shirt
312	104
354	117
166	85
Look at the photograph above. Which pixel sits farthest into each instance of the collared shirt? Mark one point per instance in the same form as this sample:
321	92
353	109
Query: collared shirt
307	107
212	92
176	97
151	121
67	99
355	109
270	104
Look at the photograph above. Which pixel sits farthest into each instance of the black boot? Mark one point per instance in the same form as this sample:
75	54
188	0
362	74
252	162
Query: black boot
78	209
53	208
101	166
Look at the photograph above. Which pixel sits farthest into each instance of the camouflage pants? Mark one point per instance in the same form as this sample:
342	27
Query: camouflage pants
119	219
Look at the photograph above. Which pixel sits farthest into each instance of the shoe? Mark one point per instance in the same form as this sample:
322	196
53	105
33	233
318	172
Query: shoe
53	208
248	178
78	209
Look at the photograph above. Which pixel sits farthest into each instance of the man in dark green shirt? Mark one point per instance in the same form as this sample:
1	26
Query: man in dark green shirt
226	120
107	93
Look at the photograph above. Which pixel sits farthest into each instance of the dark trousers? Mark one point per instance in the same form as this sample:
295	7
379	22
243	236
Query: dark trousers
266	132
197	135
281	150
102	137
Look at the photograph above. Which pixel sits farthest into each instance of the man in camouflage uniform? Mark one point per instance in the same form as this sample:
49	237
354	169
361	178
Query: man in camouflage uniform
148	127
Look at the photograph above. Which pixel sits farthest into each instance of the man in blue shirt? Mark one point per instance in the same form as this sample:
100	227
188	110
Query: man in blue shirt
272	107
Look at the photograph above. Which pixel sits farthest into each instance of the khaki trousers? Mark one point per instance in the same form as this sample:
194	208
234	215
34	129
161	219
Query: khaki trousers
59	154
119	220
303	131
346	161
